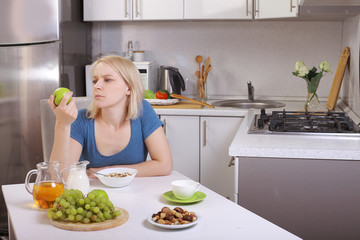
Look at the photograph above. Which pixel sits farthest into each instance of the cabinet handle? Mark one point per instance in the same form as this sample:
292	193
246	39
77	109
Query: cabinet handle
256	10
232	162
137	8
164	126
291	5
126	8
247	7
204	131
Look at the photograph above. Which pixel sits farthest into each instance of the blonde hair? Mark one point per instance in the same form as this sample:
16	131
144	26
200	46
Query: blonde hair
128	71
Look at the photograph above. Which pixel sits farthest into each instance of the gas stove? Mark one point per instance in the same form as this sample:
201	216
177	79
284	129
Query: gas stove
314	123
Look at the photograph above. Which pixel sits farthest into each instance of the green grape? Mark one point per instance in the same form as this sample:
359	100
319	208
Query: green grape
92	204
117	213
81	201
88	214
63	217
106	208
91	196
84	213
107	215
109	204
73	211
102	219
87	206
96	209
86	220
80	210
101	205
94	218
78	217
69	199
71	217
87	200
50	213
68	211
97	200
100	215
67	205
59	213
103	200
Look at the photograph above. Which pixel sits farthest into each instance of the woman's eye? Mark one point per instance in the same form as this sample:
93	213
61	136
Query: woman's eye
107	80
94	82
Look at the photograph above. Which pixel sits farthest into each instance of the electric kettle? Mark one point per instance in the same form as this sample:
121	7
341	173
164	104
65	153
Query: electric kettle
171	79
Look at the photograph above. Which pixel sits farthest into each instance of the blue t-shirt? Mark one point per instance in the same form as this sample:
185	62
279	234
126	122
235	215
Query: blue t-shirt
82	130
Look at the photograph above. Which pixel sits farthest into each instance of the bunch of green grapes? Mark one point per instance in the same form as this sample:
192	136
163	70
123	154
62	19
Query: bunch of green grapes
72	206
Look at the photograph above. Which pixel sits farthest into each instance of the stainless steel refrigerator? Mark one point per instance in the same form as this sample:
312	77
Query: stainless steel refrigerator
29	71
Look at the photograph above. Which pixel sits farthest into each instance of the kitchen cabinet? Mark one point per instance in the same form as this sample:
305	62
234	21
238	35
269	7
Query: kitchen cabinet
119	10
216	171
182	133
200	147
275	9
218	9
107	10
158	9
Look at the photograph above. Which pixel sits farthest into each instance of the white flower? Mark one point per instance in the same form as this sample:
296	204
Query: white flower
298	65
303	70
325	66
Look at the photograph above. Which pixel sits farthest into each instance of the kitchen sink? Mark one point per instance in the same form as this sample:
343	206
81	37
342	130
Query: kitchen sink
246	104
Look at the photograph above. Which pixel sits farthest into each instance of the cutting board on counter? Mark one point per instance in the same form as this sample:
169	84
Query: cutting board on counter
124	216
339	74
181	105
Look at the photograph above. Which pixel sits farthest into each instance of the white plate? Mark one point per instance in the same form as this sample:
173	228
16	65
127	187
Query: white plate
173	226
162	101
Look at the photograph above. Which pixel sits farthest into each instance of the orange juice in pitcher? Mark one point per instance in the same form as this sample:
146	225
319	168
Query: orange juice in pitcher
48	185
45	193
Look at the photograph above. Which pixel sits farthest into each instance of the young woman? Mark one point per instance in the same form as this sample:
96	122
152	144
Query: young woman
118	128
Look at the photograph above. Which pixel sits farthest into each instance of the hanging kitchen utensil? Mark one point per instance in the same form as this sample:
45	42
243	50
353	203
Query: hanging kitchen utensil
339	74
190	99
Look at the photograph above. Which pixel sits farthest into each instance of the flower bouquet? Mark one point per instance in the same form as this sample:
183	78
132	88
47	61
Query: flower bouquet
312	78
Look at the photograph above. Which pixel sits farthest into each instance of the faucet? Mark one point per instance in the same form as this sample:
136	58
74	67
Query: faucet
250	91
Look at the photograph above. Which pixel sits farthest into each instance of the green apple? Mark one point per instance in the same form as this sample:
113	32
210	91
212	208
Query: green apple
100	193
59	94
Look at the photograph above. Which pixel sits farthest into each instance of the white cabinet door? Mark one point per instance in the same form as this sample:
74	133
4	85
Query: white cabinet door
158	9
275	9
218	9
107	10
216	136
182	133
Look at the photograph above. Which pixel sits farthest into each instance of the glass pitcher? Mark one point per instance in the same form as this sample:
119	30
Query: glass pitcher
48	185
77	178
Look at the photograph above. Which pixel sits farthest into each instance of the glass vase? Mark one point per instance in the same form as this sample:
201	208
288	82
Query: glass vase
312	103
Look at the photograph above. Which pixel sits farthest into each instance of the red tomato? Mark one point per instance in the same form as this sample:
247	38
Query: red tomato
161	95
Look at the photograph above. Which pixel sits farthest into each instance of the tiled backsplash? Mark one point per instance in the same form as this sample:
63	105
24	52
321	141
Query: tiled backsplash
263	52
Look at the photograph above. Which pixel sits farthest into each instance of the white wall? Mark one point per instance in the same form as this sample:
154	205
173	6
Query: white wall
263	52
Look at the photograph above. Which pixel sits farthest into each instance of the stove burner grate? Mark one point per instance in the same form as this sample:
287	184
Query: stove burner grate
324	122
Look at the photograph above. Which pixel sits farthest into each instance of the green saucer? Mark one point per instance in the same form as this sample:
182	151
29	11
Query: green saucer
198	196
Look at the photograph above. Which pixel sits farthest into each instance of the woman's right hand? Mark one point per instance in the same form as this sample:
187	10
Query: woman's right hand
64	113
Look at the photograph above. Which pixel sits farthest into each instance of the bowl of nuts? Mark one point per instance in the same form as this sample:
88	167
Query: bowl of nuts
176	218
116	177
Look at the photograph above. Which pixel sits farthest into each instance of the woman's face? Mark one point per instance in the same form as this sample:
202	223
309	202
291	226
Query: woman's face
109	88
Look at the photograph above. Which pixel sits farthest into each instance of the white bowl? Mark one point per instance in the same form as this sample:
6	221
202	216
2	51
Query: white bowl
116	181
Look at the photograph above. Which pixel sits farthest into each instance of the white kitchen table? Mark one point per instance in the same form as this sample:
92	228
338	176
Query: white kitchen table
220	218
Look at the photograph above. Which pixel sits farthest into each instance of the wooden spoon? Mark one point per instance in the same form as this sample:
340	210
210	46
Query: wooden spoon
199	59
190	99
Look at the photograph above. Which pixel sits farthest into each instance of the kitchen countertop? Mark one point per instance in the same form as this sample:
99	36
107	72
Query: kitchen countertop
219	217
281	146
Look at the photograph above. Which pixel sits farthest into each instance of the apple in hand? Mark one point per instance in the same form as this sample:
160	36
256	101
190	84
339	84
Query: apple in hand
59	94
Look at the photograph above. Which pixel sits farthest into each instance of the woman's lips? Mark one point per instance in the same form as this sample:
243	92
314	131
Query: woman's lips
98	96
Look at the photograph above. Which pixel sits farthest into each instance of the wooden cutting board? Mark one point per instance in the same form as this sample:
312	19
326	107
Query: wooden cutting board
181	105
339	74
124	216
